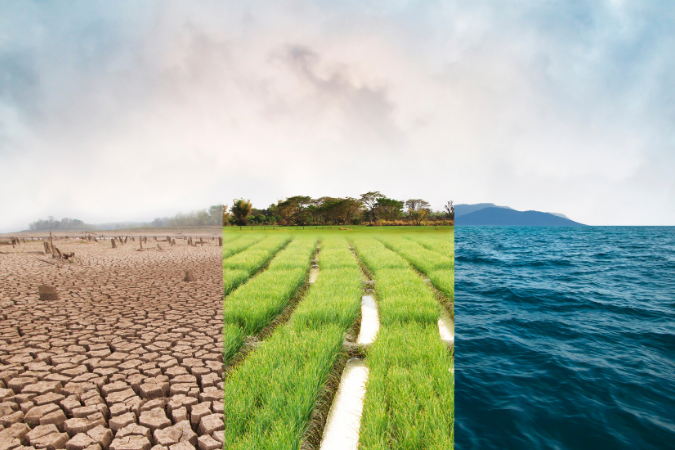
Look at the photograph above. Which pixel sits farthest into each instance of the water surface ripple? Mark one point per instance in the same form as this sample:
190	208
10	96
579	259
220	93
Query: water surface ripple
565	338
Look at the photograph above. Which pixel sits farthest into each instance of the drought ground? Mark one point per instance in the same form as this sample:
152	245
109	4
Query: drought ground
129	357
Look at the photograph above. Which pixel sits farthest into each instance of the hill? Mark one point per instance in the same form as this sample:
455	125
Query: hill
461	210
500	216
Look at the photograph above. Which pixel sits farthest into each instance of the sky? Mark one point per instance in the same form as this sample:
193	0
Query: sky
127	111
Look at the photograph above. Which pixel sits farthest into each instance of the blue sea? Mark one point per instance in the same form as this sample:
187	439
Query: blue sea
565	338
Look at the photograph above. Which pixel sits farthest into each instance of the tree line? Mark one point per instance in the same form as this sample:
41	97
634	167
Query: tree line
371	208
63	224
202	217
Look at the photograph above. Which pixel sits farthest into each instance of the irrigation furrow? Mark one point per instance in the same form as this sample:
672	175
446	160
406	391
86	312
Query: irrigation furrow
344	420
340	426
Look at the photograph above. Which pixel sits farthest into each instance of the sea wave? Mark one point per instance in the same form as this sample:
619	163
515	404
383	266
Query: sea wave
565	338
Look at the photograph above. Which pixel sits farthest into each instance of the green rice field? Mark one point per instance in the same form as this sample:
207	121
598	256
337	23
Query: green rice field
292	312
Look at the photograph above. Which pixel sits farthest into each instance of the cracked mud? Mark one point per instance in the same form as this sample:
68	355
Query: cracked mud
128	357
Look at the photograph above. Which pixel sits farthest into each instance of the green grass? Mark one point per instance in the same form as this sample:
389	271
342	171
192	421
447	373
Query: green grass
403	297
443	244
240	266
238	245
269	398
256	255
334	298
409	400
229	237
436	265
252	306
421	258
233	340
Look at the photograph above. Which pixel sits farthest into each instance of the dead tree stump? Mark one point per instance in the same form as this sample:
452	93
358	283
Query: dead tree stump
113	243
189	275
47	292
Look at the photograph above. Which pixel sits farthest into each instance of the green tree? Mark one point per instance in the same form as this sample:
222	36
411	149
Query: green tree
225	217
388	208
369	200
417	210
240	210
294	210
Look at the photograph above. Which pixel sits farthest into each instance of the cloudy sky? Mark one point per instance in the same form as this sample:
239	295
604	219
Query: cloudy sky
119	111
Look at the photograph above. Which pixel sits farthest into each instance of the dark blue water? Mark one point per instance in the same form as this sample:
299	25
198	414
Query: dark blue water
565	338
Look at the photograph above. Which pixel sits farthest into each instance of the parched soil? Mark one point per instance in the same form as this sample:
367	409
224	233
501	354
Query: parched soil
128	357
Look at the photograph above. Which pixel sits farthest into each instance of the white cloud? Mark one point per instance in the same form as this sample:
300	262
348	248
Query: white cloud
127	112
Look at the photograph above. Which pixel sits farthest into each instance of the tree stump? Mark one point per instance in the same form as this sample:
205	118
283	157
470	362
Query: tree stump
189	275
113	243
47	292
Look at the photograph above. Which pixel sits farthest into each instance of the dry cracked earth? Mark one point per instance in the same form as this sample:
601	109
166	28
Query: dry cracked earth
129	357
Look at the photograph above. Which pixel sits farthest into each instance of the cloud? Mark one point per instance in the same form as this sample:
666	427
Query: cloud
130	111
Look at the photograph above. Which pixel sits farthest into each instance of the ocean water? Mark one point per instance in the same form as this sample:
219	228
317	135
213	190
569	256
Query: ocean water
565	338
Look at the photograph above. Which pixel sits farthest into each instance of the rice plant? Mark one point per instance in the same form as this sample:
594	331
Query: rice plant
443	243
437	266
409	395
409	400
252	306
238	245
270	397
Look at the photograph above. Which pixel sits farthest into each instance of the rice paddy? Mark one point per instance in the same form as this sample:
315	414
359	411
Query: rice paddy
286	340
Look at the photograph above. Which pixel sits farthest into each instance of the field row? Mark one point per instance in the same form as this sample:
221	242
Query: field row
271	394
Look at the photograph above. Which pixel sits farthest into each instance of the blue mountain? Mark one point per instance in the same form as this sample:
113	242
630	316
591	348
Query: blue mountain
502	216
463	209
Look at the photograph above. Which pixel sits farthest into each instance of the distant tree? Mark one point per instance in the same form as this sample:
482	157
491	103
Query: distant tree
240	210
450	210
369	200
216	215
225	217
293	210
388	208
339	210
63	224
417	210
